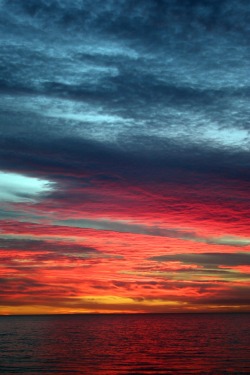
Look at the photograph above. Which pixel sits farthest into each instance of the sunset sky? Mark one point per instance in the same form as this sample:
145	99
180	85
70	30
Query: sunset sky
124	156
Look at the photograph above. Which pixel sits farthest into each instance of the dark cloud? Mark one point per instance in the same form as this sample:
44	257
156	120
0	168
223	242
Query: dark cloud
41	245
234	296
207	259
34	254
162	82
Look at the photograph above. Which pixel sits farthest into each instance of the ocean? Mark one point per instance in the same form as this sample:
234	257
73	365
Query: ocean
136	344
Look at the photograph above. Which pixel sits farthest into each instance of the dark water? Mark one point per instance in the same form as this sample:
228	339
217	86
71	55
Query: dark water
126	344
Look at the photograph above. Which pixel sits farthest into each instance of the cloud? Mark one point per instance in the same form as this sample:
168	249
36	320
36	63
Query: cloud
43	246
29	253
18	188
207	259
118	226
152	68
125	124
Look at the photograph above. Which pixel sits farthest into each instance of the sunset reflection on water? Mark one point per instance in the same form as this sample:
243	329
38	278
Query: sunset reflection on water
126	344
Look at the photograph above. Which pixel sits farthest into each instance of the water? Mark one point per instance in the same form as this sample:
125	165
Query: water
151	344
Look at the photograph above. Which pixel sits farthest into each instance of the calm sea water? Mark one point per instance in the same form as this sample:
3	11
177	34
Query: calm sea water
125	344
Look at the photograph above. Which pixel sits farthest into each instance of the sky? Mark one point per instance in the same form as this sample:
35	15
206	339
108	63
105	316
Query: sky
124	156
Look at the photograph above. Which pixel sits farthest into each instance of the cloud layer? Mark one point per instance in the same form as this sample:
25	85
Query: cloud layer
124	127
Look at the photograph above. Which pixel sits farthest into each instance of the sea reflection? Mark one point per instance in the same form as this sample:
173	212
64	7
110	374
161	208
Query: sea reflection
126	344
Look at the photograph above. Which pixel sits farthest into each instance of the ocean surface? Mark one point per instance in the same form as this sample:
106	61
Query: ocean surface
125	344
